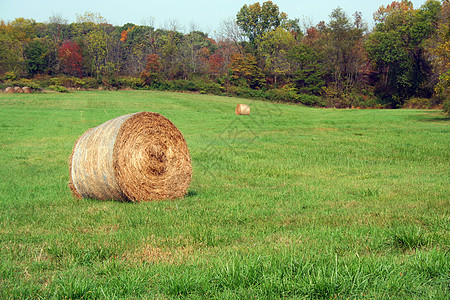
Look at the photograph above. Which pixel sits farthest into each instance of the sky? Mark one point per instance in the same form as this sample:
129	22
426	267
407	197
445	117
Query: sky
204	15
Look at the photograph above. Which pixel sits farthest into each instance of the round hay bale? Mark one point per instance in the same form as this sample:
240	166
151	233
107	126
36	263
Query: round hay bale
136	157
18	89
9	90
26	90
242	109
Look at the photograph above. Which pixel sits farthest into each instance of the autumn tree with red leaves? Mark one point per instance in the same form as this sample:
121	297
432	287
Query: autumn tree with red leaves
151	73
216	63
71	58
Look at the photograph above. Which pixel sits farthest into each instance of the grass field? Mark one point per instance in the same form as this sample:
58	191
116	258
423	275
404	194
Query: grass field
290	202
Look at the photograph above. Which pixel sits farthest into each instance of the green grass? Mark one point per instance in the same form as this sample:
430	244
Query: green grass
290	202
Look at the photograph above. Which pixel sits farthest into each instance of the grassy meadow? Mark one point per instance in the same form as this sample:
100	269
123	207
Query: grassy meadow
290	202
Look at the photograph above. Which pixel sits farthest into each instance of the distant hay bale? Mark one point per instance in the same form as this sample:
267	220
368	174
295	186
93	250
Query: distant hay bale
242	109
136	157
26	90
18	89
9	90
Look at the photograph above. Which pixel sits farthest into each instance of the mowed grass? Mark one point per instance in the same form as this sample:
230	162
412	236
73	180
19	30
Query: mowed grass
290	202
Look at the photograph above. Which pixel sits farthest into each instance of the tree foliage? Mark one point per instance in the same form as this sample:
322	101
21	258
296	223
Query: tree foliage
397	50
343	47
37	57
11	58
245	71
405	55
70	56
309	74
439	53
274	47
255	19
151	73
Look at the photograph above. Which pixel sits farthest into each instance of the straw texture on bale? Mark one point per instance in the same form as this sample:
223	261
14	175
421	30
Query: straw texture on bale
18	89
136	157
9	90
26	90
242	109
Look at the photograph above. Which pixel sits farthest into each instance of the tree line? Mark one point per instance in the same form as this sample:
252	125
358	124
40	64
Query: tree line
404	59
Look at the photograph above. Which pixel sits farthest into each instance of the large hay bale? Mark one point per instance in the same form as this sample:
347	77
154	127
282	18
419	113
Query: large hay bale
242	109
140	156
9	90
18	89
26	90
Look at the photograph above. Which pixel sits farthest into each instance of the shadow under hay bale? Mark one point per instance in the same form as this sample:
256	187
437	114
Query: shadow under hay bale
242	109
136	157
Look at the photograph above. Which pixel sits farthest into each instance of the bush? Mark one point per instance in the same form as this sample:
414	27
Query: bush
282	95
446	107
211	88
246	92
68	82
22	82
110	82
201	85
310	100
58	88
130	82
42	80
150	78
11	75
181	85
348	99
421	103
91	83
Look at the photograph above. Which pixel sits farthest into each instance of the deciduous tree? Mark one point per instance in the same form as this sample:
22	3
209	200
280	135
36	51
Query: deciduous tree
167	46
70	56
255	19
344	50
439	53
216	64
16	35
151	73
309	73
136	42
37	57
245	71
11	59
273	48
195	50
396	47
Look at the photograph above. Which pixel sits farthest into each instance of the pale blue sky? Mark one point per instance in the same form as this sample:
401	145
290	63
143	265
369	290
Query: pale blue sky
207	15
